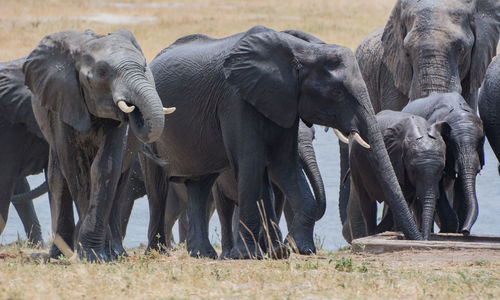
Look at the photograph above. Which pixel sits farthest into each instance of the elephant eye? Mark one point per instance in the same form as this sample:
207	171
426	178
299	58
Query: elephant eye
102	70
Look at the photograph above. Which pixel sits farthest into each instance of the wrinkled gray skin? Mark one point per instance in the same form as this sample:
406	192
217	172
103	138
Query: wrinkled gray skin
225	191
464	153
426	46
77	80
489	106
417	153
23	150
239	108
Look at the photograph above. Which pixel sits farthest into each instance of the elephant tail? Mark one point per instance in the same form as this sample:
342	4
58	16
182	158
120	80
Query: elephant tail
28	196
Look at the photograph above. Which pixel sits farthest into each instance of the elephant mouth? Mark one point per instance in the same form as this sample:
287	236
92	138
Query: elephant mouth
352	136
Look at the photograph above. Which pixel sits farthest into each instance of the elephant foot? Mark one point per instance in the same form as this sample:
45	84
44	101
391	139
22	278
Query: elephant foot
202	250
117	251
226	254
54	252
160	250
245	251
301	241
37	244
93	255
278	251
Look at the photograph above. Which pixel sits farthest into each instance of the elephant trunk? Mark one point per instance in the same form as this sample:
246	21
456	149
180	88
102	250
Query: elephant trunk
32	194
467	181
147	119
387	177
435	72
309	163
428	210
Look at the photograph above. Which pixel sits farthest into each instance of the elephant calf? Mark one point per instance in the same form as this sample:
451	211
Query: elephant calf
417	153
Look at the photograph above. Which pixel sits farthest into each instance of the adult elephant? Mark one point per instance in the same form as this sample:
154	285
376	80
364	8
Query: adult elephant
87	89
24	151
417	153
430	46
426	46
240	99
464	151
489	106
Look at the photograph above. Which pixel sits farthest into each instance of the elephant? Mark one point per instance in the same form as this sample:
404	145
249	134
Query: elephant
430	46
24	151
224	191
464	154
417	152
426	46
489	106
238	103
88	91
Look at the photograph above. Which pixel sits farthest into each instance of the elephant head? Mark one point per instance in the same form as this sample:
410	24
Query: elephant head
440	45
285	78
417	153
81	76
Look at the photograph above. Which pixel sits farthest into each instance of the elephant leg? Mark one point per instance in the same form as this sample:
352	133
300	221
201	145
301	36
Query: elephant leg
105	173
157	189
271	231
115	236
225	210
448	219
292	181
354	225
27	214
174	210
279	202
7	185
288	211
61	208
183	226
198	244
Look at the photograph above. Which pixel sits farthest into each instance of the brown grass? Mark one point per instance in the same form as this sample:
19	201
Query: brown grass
345	22
338	274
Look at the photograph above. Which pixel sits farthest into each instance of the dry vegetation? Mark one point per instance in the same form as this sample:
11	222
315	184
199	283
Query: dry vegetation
329	275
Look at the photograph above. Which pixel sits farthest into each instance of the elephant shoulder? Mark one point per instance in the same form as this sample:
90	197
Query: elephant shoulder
187	40
15	97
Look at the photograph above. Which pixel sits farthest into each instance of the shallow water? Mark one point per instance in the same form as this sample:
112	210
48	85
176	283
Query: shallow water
328	229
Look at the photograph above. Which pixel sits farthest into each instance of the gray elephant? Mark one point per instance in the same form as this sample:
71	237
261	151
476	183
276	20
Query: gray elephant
24	151
430	46
426	46
239	100
417	153
87	89
489	106
464	153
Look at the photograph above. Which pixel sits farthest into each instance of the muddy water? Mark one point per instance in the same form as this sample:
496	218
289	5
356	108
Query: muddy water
328	229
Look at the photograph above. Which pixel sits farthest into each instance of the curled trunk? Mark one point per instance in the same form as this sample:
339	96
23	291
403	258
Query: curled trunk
147	119
310	166
28	196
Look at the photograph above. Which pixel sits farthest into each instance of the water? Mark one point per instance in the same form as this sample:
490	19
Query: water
328	229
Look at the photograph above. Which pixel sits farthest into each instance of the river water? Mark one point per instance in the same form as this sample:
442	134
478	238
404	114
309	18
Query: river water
327	230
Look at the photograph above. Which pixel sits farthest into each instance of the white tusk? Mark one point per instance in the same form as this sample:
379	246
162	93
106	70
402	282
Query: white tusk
360	140
168	110
341	136
124	107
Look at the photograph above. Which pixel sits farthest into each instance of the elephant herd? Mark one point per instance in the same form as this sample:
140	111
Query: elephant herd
227	124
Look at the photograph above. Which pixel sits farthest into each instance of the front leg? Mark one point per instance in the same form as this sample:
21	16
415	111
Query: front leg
104	175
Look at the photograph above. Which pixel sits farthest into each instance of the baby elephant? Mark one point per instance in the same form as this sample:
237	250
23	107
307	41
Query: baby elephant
417	153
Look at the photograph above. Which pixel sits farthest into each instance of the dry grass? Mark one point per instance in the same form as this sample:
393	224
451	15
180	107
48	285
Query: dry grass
345	22
329	275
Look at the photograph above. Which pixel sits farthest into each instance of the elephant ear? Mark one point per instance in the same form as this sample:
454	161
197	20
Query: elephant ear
261	69
393	138
439	129
394	57
486	27
51	75
15	97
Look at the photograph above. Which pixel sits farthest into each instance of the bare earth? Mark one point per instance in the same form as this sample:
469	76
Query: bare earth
341	274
